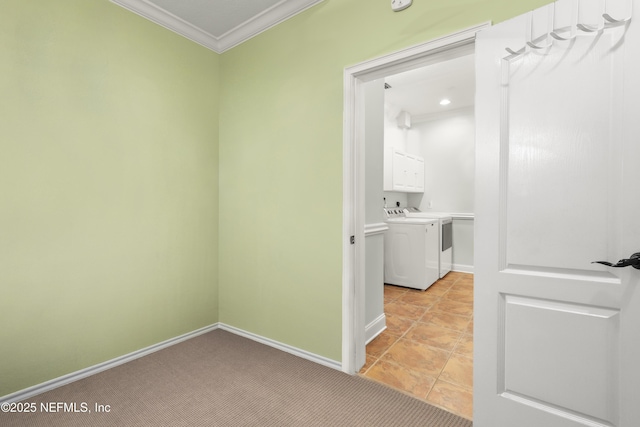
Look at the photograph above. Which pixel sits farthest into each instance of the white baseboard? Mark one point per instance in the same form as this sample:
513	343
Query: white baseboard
92	370
462	268
283	347
375	328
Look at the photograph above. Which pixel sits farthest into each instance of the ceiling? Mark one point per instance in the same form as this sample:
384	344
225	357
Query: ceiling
217	24
420	91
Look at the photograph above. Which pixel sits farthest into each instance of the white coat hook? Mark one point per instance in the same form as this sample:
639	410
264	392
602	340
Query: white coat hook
618	21
574	16
557	36
514	52
535	46
588	28
520	51
530	42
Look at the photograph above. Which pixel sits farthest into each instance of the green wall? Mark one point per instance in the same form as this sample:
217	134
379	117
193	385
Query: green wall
281	158
108	186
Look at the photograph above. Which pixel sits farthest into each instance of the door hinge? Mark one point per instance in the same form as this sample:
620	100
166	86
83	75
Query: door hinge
352	239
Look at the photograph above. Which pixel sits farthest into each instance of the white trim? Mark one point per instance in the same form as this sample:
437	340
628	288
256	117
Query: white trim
171	22
375	328
321	360
373	229
353	257
462	268
350	307
405	59
276	14
262	22
92	370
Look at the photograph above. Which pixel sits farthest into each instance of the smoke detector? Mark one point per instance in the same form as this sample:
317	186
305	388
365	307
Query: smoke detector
398	5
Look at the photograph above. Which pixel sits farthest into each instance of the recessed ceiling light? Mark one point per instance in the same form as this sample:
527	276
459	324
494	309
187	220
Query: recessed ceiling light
445	101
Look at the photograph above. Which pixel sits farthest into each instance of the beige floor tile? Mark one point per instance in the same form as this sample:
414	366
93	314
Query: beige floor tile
392	293
417	357
463	284
408	311
406	355
433	335
455	275
454	307
458	371
419	298
453	398
446	320
465	346
381	343
398	325
438	289
459	295
401	378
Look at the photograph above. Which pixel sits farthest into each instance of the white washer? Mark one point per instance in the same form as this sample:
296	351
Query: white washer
411	252
445	228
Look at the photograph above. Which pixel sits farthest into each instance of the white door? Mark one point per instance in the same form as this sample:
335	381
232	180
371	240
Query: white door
557	338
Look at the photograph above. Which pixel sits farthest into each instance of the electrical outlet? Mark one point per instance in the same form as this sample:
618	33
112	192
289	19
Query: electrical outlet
398	5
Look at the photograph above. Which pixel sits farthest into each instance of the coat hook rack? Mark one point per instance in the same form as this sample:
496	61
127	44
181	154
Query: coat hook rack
608	21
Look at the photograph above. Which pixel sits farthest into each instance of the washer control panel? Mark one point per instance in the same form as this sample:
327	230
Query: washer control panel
394	212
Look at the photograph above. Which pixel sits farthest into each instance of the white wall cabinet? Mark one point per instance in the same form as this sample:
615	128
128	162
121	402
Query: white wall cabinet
403	172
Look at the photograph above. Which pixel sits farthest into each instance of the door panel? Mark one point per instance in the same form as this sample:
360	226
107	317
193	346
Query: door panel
582	378
544	172
557	134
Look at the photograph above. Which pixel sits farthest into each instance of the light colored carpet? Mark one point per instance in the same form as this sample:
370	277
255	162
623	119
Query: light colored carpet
220	379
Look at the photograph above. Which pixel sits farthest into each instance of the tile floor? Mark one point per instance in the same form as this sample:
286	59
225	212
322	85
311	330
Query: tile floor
427	348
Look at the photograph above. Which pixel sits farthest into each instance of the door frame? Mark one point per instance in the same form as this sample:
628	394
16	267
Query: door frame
353	168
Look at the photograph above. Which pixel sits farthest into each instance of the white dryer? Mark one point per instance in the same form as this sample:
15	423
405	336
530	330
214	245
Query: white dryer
411	252
445	238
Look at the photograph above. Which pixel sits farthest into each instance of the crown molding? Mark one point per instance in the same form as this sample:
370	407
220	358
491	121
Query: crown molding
271	17
276	14
171	22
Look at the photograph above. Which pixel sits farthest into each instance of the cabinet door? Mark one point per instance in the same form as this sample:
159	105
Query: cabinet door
419	174
399	171
410	173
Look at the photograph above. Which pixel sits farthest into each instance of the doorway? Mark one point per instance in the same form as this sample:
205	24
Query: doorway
426	349
355	260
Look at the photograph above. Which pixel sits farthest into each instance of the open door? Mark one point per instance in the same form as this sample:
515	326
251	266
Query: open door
557	338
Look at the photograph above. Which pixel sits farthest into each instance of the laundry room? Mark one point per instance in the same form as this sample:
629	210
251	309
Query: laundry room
428	113
419	132
423	114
